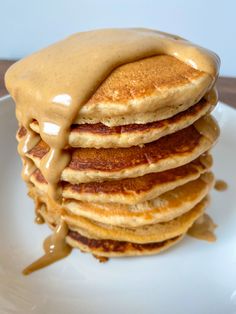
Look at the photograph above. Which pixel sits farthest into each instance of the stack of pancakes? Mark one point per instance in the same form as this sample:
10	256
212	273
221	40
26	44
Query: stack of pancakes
139	174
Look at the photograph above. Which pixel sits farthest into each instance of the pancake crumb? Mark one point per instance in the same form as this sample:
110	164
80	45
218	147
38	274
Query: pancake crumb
102	259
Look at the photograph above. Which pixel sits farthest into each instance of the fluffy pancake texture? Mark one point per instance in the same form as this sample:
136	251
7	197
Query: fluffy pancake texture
146	240
111	248
172	151
144	234
164	208
132	190
102	136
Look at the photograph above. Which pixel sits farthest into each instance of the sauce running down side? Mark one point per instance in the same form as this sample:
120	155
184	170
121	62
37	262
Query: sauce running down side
55	248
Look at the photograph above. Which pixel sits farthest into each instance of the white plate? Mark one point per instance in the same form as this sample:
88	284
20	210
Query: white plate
194	277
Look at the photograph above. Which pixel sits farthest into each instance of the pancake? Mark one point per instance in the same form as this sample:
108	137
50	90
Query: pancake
101	136
137	190
81	233
132	190
163	208
169	152
144	234
110	248
144	91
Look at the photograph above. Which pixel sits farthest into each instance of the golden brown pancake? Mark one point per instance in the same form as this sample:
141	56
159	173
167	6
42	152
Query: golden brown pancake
131	190
101	136
108	247
136	190
171	151
164	208
111	248
144	234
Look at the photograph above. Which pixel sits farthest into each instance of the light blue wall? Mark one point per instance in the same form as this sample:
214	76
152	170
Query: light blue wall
27	25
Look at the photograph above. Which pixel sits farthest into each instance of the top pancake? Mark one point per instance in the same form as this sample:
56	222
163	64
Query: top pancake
147	90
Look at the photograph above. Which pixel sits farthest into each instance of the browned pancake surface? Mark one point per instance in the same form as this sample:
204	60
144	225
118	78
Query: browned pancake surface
142	78
115	159
102	129
116	246
134	185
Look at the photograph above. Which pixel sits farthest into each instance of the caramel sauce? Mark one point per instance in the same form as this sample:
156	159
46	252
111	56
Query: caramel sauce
27	169
221	185
38	205
203	229
39	219
55	248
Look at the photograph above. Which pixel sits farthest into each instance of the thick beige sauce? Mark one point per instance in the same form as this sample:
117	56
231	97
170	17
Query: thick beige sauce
53	84
55	248
38	206
203	229
39	219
